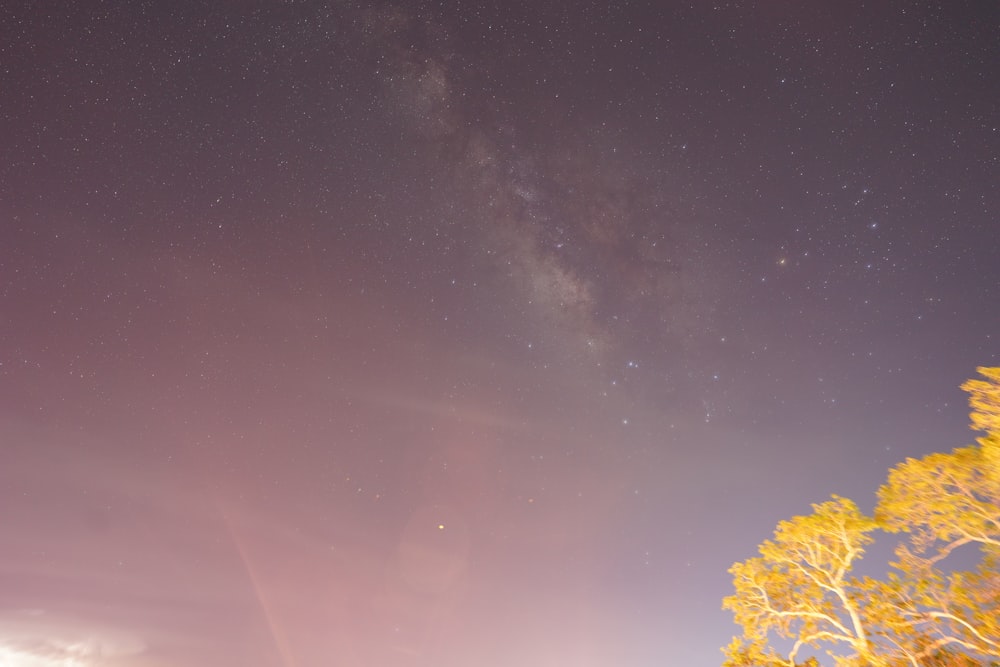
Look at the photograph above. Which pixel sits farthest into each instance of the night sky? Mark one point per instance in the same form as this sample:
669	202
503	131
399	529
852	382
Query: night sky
468	333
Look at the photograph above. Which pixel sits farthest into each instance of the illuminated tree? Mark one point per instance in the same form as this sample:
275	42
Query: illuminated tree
984	398
799	590
799	593
945	501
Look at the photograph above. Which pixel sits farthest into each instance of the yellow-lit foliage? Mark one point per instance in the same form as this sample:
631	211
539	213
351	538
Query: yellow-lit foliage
945	501
799	588
984	399
799	591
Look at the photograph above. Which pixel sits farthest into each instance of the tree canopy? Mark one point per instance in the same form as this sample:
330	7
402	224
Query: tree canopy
800	593
799	586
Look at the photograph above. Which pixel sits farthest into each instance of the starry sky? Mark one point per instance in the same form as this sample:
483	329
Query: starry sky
489	333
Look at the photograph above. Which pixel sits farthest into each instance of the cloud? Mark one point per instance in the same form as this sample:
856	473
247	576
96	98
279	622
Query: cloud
35	638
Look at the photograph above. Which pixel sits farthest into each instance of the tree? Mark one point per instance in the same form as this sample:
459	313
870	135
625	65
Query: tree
799	589
984	399
945	501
